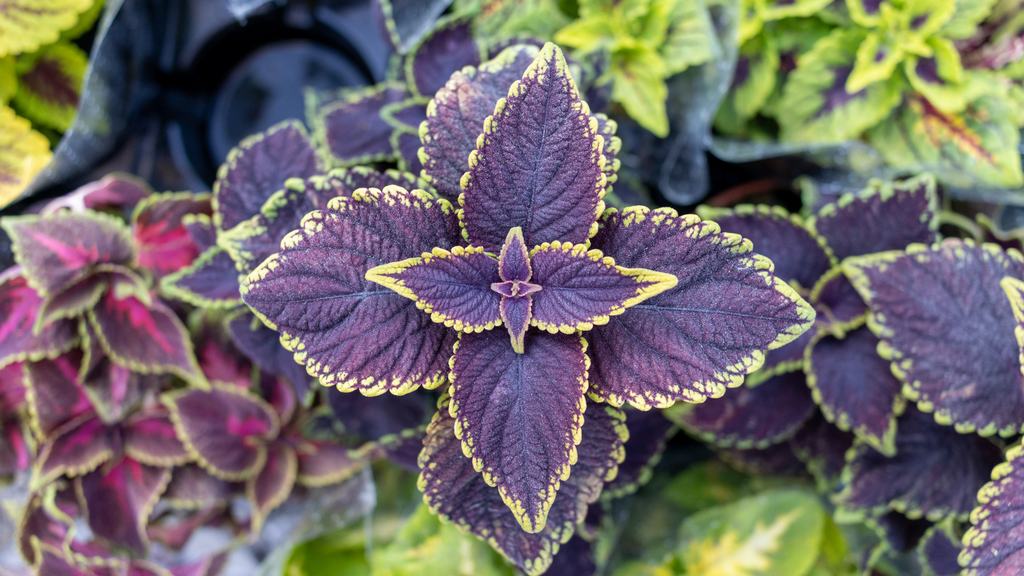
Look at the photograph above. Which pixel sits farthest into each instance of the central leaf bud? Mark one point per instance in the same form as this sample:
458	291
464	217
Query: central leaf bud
514	288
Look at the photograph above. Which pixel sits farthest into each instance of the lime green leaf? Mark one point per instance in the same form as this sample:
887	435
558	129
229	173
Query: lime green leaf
25	25
652	25
774	534
815	105
502	19
877	59
587	34
49	85
639	86
940	78
976	146
751	21
8	80
344	551
925	17
691	37
753	82
965	20
23	153
778	9
85	21
865	13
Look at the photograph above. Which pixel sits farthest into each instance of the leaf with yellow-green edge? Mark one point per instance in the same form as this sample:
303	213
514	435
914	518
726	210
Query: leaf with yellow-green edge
648	435
946	327
23	154
753	82
976	146
50	85
877	58
86	20
994	545
773	534
8	80
639	85
940	77
25	25
938	550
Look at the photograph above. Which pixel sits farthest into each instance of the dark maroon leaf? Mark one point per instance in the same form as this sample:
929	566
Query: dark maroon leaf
219	358
750	417
855	388
883	217
57	249
55	395
12	388
113	192
406	146
225	428
348	331
445	50
946	326
581	289
193	488
407	115
211	281
799	255
455	117
514	259
994	546
119	499
457	493
700	337
152	440
258	167
323	463
73	301
19	307
200	227
352	130
272	485
648	433
574	558
454	287
837	301
538	165
164	244
775	460
15	452
519	415
379	416
76	448
938	550
822	447
262	346
900	533
936	471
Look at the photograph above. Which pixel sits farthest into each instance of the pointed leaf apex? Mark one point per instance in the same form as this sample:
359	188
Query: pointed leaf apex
514	261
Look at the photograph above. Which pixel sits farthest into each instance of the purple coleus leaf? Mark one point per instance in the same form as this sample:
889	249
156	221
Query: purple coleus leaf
119	498
948	340
272	485
696	339
15	447
57	249
648	434
12	388
76	448
54	393
164	243
150	438
935	473
210	281
200	227
837	302
260	166
455	491
456	115
446	49
348	331
321	463
855	388
262	347
938	550
19	308
226	429
994	545
352	130
76	299
750	417
775	460
538	165
901	534
115	192
822	447
193	488
374	418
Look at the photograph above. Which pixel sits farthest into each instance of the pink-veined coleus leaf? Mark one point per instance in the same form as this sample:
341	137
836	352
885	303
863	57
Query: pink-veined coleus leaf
112	192
945	323
218	356
455	491
12	388
446	49
119	498
348	331
113	390
74	300
164	244
150	438
78	447
19	308
15	447
55	395
352	131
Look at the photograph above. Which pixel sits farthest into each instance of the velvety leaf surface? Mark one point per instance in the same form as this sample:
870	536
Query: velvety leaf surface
938	550
787	358
112	192
348	331
883	217
225	428
458	494
443	51
581	288
837	301
193	488
780	236
76	448
519	414
936	471
152	440
262	346
272	485
147	339
57	249
648	433
258	167
455	117
407	148
454	287
514	259
352	130
855	388
993	546
750	417
164	243
19	307
539	164
119	500
703	335
945	324
373	418
54	395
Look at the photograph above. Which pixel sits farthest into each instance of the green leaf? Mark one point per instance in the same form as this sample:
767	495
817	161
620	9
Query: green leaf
502	19
753	83
877	59
587	34
965	20
640	87
23	153
977	146
8	80
50	84
941	78
25	25
691	37
652	26
751	21
776	533
85	21
779	9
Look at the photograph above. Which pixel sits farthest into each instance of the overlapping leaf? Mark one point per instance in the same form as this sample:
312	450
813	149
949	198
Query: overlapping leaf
352	130
447	49
29	24
119	498
23	154
19	307
993	546
262	347
648	435
938	550
272	485
164	243
115	191
51	84
210	281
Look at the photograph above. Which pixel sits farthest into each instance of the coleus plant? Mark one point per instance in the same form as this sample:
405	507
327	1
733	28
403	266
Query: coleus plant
638	306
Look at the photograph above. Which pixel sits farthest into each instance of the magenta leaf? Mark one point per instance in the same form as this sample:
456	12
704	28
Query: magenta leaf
855	388
352	130
148	339
15	452
935	473
225	428
57	249
152	440
454	287
700	337
945	324
76	448
55	395
262	346
994	546
445	50
192	488
519	415
119	499
750	417
581	289
113	192
455	117
538	164
258	167
164	243
19	308
12	388
348	331
211	281
271	486
883	217
454	490
648	434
